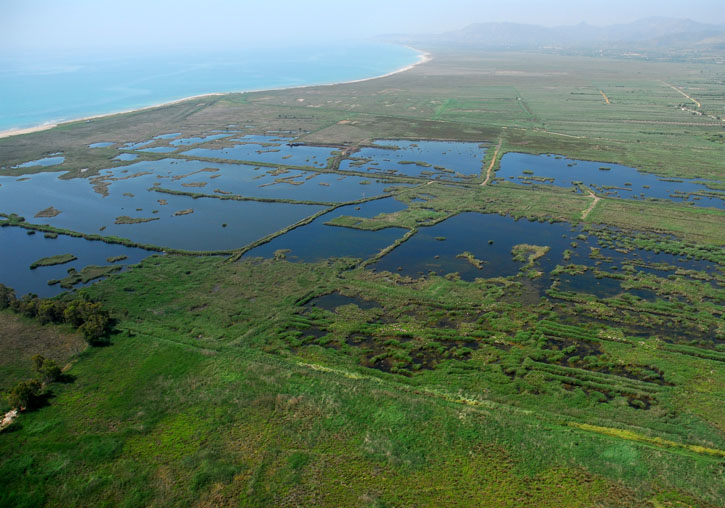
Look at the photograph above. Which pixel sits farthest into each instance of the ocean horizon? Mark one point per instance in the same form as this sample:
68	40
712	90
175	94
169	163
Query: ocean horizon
42	89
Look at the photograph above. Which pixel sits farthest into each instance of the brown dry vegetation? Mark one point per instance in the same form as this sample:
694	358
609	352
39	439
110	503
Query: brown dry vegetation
21	339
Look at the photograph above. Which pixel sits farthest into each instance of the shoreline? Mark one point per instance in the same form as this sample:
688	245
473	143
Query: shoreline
423	57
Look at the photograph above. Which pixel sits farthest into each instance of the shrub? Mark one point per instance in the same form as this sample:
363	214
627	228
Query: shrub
48	369
27	305
597	396
95	328
72	314
7	297
24	395
50	311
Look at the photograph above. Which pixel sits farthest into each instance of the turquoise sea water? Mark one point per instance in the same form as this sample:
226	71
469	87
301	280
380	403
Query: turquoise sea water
39	89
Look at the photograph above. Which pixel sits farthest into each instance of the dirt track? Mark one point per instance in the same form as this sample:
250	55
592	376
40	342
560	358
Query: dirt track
493	162
595	200
683	93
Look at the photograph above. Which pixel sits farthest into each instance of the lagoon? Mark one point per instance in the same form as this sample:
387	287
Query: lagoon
177	222
15	263
446	160
608	180
318	241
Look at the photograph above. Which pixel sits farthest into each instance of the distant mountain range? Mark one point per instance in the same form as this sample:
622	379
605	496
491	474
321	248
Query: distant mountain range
654	32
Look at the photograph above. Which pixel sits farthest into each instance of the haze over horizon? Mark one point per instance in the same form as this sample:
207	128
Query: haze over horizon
46	25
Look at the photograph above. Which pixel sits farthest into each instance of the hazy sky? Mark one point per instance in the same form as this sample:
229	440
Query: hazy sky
57	24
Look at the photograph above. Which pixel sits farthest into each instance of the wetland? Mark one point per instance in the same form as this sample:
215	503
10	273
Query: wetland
426	276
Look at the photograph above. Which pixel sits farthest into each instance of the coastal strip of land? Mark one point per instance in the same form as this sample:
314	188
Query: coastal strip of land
423	57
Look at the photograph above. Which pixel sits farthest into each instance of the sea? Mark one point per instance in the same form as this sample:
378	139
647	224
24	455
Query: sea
38	89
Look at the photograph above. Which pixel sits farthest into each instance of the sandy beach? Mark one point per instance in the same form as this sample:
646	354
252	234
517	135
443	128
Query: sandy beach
423	57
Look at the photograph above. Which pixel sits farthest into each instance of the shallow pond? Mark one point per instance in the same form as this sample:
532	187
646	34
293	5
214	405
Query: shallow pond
46	161
331	301
490	239
126	157
605	179
173	225
603	287
15	263
317	241
159	149
261	182
268	149
170	135
176	144
197	140
136	145
472	232
432	159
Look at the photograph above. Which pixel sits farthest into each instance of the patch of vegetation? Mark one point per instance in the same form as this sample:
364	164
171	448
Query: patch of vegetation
60	259
87	316
528	254
86	275
125	219
471	259
48	212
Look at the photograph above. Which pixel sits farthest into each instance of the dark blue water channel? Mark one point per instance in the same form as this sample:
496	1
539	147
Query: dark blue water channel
317	241
444	160
605	179
19	250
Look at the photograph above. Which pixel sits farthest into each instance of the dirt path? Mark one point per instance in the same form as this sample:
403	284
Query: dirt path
595	200
345	152
606	99
683	93
565	135
8	418
492	164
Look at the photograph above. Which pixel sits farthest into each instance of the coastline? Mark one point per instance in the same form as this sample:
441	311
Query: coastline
423	57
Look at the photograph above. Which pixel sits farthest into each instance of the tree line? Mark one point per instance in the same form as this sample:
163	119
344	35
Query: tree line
88	317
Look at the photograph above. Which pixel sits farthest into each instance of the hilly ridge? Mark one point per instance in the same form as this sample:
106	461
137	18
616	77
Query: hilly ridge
652	32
